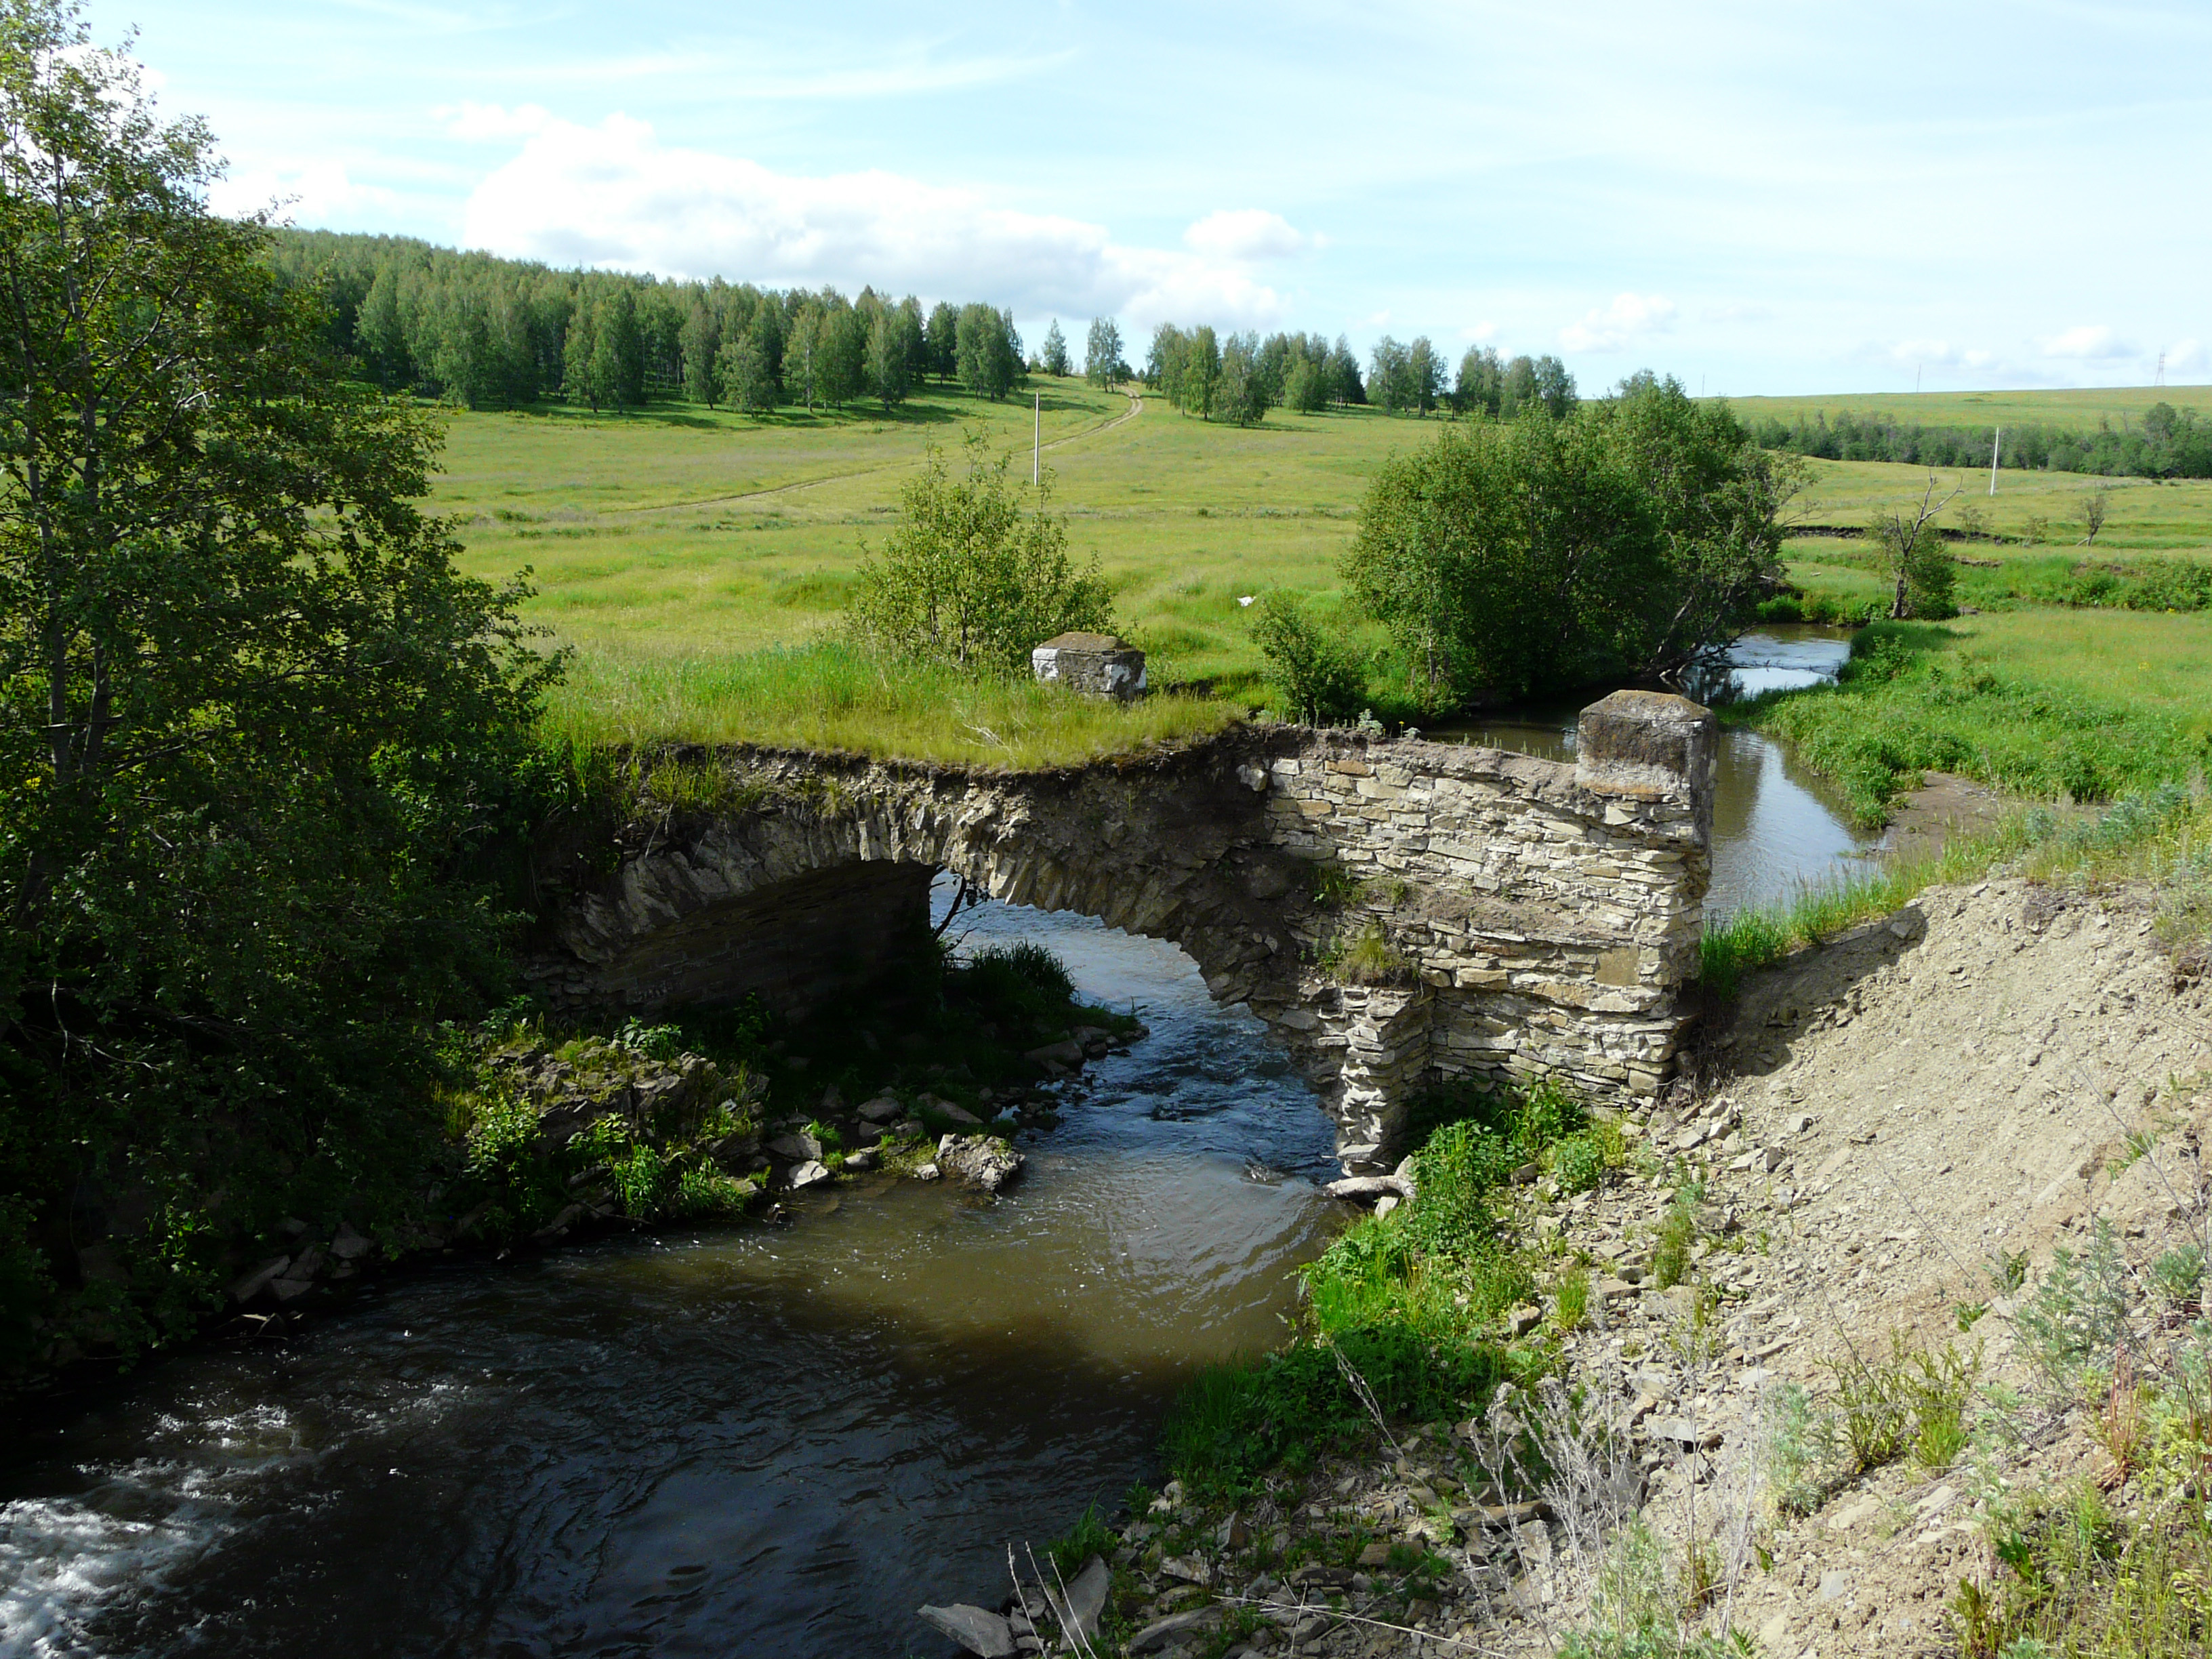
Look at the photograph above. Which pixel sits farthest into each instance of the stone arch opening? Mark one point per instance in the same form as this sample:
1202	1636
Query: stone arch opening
1527	917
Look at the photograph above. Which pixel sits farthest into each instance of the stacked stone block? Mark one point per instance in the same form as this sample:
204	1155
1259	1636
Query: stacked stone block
1548	914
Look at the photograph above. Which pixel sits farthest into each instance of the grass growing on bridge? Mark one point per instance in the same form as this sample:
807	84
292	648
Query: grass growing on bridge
829	697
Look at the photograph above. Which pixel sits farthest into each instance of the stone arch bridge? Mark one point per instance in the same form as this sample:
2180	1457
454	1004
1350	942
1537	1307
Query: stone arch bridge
1528	917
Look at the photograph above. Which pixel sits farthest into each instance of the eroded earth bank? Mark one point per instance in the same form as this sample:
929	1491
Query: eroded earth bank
1928	1208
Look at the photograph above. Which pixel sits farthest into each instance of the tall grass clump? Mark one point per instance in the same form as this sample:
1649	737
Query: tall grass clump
835	696
2076	705
1404	1315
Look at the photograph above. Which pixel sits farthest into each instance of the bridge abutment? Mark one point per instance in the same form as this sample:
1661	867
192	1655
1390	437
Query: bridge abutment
1396	912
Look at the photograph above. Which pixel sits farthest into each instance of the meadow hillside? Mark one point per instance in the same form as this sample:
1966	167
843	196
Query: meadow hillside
2080	409
671	544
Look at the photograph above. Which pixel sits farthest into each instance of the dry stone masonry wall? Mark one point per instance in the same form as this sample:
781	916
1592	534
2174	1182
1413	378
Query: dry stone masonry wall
1395	911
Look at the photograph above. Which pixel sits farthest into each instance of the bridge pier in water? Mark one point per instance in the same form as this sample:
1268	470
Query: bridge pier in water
1396	912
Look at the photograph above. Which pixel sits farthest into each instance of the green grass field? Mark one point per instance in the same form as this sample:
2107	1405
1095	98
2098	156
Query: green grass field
671	544
2079	410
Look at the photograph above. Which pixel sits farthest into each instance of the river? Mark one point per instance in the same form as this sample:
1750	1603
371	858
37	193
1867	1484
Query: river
755	1439
1777	827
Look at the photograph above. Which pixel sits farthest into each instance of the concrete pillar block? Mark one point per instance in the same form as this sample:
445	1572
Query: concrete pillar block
1650	749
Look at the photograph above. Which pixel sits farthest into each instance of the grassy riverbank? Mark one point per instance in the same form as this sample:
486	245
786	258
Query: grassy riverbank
1416	1313
2044	703
693	560
2112	709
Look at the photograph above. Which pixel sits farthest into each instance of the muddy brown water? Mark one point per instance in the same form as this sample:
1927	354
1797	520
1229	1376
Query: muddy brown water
755	1439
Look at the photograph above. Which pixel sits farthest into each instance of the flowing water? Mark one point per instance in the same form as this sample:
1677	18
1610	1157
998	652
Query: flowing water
758	1439
754	1440
1775	826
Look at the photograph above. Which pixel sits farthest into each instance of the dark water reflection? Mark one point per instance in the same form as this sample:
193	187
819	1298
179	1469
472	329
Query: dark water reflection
756	1440
1777	827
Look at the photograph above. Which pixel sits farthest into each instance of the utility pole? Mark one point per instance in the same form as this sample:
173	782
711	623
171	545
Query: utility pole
1996	444
1037	439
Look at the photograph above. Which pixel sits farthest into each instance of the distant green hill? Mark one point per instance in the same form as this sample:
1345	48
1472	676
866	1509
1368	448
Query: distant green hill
2139	432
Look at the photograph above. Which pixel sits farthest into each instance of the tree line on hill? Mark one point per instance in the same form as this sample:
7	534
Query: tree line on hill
2169	443
488	332
1240	377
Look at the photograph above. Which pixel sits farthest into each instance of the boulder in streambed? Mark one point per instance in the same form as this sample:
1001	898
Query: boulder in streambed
884	1109
983	1160
808	1173
1057	1057
1369	1187
251	1283
1080	1609
300	1278
952	1109
975	1630
798	1147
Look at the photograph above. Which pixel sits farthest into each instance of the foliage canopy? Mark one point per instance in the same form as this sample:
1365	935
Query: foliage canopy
968	579
1630	537
257	736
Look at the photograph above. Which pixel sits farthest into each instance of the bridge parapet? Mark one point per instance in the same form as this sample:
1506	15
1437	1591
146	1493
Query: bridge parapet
1397	912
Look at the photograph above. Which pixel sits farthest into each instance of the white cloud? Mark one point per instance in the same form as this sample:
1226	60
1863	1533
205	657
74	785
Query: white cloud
2087	343
1480	334
1737	311
320	193
1631	317
613	195
2186	354
1245	234
1937	353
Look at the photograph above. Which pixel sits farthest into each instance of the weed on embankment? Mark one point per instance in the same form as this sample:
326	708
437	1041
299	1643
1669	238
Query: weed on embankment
1405	1319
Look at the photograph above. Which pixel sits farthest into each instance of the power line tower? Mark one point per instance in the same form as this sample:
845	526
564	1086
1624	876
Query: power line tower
2160	378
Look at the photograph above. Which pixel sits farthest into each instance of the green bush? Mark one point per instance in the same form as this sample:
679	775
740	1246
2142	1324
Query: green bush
2178	1273
1236	1421
1579	1162
1365	958
965	578
1571	1298
1543	554
2070	1326
1091	1535
1311	668
1024	975
703	1192
1670	1249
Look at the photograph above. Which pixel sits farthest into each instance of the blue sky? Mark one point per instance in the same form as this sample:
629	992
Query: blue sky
1757	199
